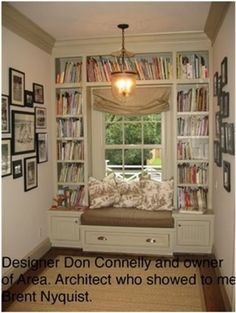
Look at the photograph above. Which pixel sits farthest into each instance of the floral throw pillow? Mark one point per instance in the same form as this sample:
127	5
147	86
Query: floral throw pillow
102	193
130	194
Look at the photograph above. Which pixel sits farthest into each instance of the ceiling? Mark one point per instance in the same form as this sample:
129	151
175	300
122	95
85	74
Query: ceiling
76	20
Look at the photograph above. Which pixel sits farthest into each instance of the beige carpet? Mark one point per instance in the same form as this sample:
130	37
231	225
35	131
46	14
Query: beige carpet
116	297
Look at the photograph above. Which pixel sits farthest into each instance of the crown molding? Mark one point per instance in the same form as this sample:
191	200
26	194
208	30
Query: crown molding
215	19
24	27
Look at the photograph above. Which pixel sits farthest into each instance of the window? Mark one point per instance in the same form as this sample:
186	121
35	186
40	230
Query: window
133	145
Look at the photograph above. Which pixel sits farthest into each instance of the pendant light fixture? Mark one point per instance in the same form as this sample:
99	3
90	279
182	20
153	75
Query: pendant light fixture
123	82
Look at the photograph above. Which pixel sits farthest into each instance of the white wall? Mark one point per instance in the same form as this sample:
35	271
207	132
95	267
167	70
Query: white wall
24	214
223	201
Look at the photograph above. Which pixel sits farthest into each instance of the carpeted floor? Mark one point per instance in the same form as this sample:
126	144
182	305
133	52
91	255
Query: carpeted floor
108	295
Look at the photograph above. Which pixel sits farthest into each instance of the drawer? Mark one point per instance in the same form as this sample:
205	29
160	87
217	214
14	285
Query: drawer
127	238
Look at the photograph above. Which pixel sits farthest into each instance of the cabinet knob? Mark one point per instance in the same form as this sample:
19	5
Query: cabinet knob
76	222
179	225
102	238
151	240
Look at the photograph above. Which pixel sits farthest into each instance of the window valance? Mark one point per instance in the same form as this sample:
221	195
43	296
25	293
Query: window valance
146	100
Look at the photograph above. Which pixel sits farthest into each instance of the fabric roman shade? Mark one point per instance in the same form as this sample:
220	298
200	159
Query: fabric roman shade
146	100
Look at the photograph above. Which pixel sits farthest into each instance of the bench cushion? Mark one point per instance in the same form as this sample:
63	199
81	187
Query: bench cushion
128	217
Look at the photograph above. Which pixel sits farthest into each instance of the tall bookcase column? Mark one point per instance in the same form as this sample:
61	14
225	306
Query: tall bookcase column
70	132
192	132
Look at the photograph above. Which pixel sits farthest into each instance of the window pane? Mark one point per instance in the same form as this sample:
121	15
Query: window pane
152	133
133	133
133	118
114	134
152	117
113	159
133	163
112	118
152	163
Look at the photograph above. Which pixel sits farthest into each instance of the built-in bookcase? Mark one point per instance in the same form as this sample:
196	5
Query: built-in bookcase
192	132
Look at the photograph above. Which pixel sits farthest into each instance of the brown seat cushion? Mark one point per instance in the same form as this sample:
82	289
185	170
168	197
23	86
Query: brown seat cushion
128	217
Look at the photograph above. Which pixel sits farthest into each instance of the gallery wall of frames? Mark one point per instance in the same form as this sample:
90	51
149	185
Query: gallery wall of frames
25	131
224	131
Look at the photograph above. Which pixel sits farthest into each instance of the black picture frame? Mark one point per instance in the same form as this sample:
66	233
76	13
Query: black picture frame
215	84
230	148
223	137
6	157
30	173
17	87
217	153
224	71
17	169
5	114
226	176
42	147
23	132
224	104
217	124
40	118
219	86
38	93
29	99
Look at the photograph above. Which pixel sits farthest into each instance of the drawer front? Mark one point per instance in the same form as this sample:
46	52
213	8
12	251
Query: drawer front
127	239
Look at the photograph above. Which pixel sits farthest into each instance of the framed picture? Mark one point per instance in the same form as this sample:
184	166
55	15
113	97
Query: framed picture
42	147
30	173
41	117
5	114
224	104
217	153
38	93
17	87
17	168
219	87
23	132
223	137
6	157
215	84
230	139
29	101
226	175
224	71
217	124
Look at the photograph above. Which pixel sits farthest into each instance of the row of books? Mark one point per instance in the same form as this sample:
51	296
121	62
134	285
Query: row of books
192	173
71	173
191	199
70	150
192	126
69	103
69	128
73	198
193	100
69	73
191	66
100	68
187	150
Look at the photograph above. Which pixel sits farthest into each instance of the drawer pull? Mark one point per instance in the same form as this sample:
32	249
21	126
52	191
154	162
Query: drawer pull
102	238
76	222
151	240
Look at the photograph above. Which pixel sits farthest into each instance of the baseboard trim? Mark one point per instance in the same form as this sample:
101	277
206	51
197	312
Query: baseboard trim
36	253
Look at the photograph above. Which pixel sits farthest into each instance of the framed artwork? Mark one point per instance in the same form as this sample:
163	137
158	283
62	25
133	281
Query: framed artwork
6	157
223	137
41	117
219	87
17	87
217	124
224	109
217	153
38	93
23	132
29	101
230	139
17	169
215	84
30	173
5	114
226	175
42	147
224	71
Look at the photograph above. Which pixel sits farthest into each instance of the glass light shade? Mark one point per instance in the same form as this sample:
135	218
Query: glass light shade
123	84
